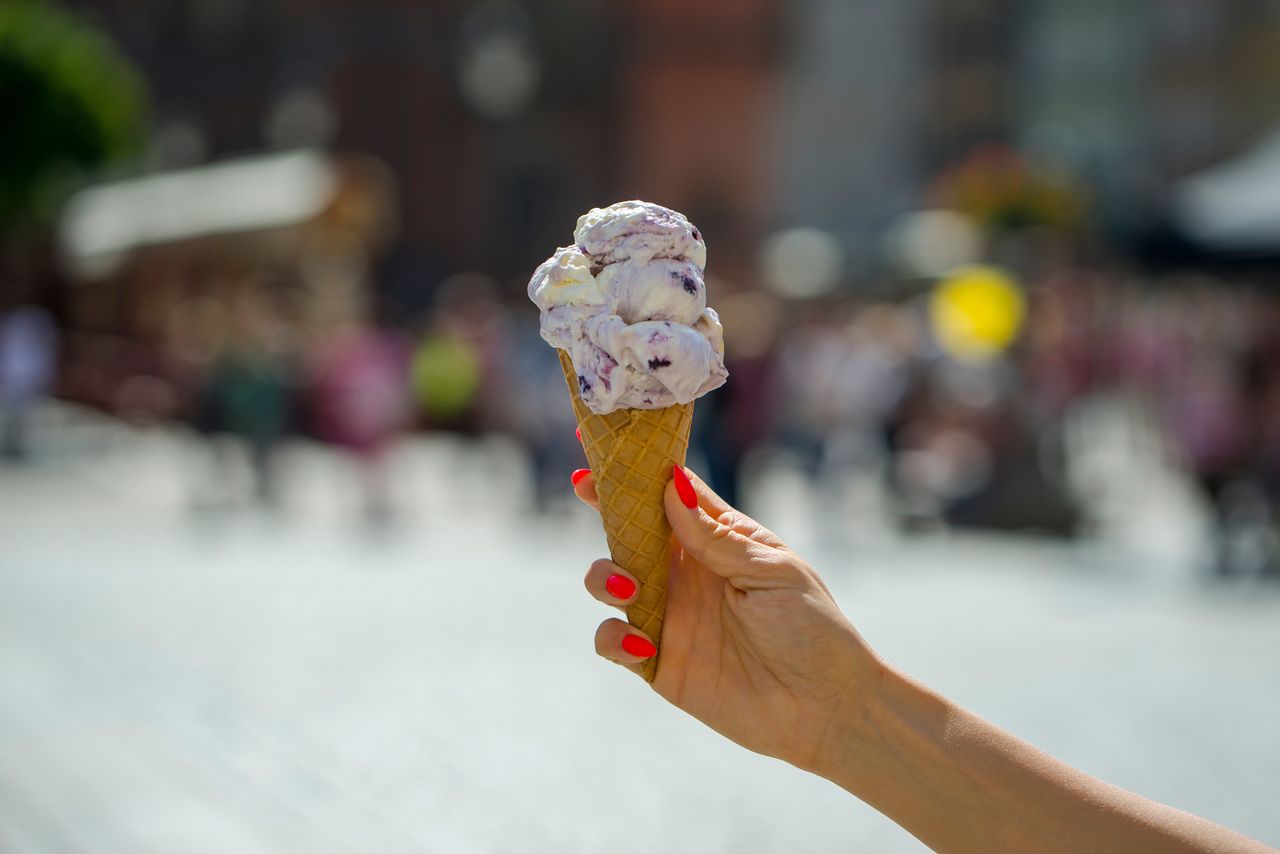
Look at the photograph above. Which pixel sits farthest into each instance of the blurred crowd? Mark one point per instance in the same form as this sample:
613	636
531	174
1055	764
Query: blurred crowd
1191	360
838	386
265	256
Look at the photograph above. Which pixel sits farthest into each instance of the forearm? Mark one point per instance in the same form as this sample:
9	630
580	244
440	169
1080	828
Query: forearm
959	783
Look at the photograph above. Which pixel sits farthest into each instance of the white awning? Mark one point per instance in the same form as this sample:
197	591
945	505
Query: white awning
1234	206
102	224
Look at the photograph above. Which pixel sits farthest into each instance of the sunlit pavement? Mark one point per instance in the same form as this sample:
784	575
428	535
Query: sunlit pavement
235	682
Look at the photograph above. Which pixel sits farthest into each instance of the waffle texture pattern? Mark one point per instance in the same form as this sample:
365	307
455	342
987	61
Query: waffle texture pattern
631	452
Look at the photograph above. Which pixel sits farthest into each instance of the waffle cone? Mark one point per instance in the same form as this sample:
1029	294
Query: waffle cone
631	452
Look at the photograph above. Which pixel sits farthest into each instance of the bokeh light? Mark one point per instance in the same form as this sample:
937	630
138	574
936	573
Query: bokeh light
976	312
802	262
930	243
499	67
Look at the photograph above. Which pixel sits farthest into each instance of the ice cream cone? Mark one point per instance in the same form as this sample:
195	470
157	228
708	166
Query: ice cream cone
631	452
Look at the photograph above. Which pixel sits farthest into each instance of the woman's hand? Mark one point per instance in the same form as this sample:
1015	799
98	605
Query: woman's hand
752	643
754	646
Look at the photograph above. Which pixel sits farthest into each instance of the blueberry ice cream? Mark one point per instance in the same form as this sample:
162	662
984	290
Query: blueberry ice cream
628	303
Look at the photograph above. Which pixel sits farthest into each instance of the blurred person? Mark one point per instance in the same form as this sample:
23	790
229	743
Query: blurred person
1267	402
446	376
945	442
865	391
461	369
1269	461
478	375
811	354
195	334
358	399
28	357
198	331
1261	384
855	384
755	647
249	391
737	418
1209	418
876	373
1059	360
541	417
969	450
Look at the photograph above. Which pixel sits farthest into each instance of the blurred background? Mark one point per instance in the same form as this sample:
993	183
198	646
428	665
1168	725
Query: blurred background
288	560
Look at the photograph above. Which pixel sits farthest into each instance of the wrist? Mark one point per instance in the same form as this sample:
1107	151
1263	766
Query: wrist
862	704
854	712
889	722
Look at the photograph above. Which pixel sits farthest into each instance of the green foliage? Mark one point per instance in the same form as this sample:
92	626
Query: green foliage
71	102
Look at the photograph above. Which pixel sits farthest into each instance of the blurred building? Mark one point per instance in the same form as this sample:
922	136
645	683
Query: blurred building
1134	95
854	100
1127	97
501	121
160	263
696	112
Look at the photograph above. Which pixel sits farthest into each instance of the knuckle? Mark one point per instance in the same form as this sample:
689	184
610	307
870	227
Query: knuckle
721	531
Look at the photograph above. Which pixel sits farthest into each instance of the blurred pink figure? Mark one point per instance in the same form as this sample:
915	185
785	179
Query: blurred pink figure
358	400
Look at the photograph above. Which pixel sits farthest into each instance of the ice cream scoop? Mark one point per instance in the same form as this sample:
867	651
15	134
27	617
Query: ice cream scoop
567	294
662	289
638	230
628	303
654	355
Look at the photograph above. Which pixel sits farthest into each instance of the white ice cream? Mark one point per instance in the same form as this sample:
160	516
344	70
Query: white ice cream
640	231
628	303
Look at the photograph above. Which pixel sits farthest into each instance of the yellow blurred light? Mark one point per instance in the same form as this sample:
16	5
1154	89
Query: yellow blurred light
446	376
976	312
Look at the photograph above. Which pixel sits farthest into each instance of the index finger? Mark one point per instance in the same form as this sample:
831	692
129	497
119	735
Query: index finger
708	500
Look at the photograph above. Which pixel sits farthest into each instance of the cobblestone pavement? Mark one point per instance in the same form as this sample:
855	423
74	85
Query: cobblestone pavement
238	683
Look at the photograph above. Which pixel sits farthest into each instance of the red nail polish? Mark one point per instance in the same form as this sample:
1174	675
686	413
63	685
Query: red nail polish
684	488
579	475
638	646
619	586
578	432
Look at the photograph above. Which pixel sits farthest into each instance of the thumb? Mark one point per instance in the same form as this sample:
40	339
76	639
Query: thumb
725	540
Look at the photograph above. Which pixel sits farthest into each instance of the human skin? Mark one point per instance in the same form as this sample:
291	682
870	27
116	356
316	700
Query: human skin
755	647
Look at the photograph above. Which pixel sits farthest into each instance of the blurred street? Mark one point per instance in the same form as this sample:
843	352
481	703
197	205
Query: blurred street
203	680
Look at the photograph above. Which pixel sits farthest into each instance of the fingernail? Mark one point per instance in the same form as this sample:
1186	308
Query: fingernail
684	488
579	475
619	586
578	432
638	646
